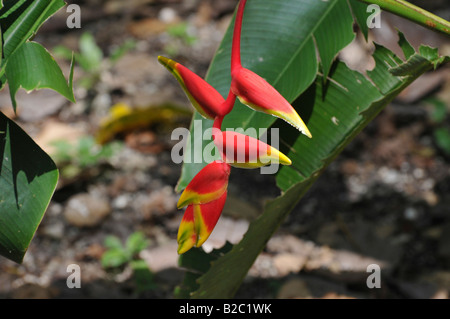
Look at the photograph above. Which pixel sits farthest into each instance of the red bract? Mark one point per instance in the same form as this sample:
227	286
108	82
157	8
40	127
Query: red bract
206	100
209	184
255	92
198	223
205	197
244	151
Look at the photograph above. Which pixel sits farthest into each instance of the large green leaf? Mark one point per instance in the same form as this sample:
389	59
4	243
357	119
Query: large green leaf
32	67
198	262
19	20
340	109
359	10
28	179
28	176
280	41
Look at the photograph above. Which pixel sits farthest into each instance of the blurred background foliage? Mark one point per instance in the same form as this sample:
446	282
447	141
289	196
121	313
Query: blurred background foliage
387	193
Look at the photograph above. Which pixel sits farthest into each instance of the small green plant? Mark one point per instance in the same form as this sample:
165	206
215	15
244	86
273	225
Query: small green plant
439	117
180	31
179	36
86	153
119	255
91	59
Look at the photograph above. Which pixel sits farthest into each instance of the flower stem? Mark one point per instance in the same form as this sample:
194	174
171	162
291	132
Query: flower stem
228	104
217	125
236	45
413	13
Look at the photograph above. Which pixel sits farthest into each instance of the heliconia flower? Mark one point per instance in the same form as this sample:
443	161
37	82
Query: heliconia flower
208	185
205	198
258	94
244	151
187	236
206	194
205	99
198	223
255	92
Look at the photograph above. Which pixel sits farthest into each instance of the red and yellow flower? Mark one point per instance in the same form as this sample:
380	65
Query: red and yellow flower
205	99
209	184
205	196
240	150
255	92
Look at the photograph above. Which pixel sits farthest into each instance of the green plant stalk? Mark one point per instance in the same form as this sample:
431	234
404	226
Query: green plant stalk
413	13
